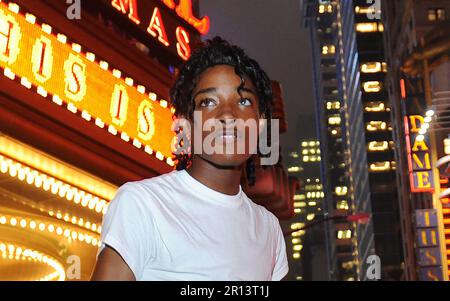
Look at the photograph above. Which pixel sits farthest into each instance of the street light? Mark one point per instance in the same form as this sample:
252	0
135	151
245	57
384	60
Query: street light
360	218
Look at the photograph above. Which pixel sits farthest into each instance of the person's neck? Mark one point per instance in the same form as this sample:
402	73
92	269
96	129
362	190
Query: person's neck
223	180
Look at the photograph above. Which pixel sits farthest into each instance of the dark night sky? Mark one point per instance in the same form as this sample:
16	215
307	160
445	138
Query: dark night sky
270	31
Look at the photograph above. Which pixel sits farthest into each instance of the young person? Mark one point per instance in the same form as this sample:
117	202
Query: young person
196	223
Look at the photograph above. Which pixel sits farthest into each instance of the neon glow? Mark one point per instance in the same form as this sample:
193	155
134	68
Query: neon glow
419	157
70	78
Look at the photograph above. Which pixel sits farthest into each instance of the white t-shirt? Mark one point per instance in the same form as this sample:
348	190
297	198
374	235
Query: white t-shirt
172	227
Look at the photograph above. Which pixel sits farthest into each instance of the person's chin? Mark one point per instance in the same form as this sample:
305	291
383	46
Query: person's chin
227	161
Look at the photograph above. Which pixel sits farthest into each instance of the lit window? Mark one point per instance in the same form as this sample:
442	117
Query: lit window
304	143
372	86
305	158
341	190
378	146
380	166
365	10
299	204
374	126
333	105
344	234
440	13
447	146
369	27
372	67
437	14
312	204
375	106
323	8
296	226
294	155
342	205
328	49
334	120
299	197
432	15
297	248
297	210
296	255
310	216
294	169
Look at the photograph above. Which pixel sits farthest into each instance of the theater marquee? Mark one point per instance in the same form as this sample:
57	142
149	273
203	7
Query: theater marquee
170	23
63	72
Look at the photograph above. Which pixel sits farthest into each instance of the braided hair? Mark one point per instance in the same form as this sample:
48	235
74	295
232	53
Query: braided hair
217	51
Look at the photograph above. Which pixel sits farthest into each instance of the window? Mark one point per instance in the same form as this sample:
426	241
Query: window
378	146
432	15
374	126
342	205
382	166
344	234
372	86
340	190
436	14
334	120
310	216
375	106
328	49
365	10
325	8
373	67
369	27
299	197
440	13
333	105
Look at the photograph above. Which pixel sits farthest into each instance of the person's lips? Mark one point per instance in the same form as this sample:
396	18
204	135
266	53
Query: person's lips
227	135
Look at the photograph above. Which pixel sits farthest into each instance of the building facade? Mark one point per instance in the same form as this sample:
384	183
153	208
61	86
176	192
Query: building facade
417	39
83	105
354	124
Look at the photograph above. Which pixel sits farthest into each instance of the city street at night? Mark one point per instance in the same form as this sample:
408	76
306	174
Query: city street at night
224	140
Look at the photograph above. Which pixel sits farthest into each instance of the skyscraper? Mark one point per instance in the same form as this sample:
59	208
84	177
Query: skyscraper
353	113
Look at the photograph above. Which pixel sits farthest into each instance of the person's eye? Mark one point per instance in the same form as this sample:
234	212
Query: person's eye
207	102
245	102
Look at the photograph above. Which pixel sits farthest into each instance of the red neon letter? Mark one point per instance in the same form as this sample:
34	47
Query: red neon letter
156	27
183	49
127	5
184	10
169	3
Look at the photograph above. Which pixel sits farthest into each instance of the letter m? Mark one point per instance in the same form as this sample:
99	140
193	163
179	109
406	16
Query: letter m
127	6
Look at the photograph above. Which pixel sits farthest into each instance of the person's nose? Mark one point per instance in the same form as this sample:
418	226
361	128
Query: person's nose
227	114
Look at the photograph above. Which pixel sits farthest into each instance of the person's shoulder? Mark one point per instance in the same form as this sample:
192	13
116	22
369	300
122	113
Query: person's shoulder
261	210
157	181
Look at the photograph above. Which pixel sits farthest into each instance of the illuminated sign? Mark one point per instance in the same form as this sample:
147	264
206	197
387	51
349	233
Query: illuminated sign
419	156
427	239
60	71
151	16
